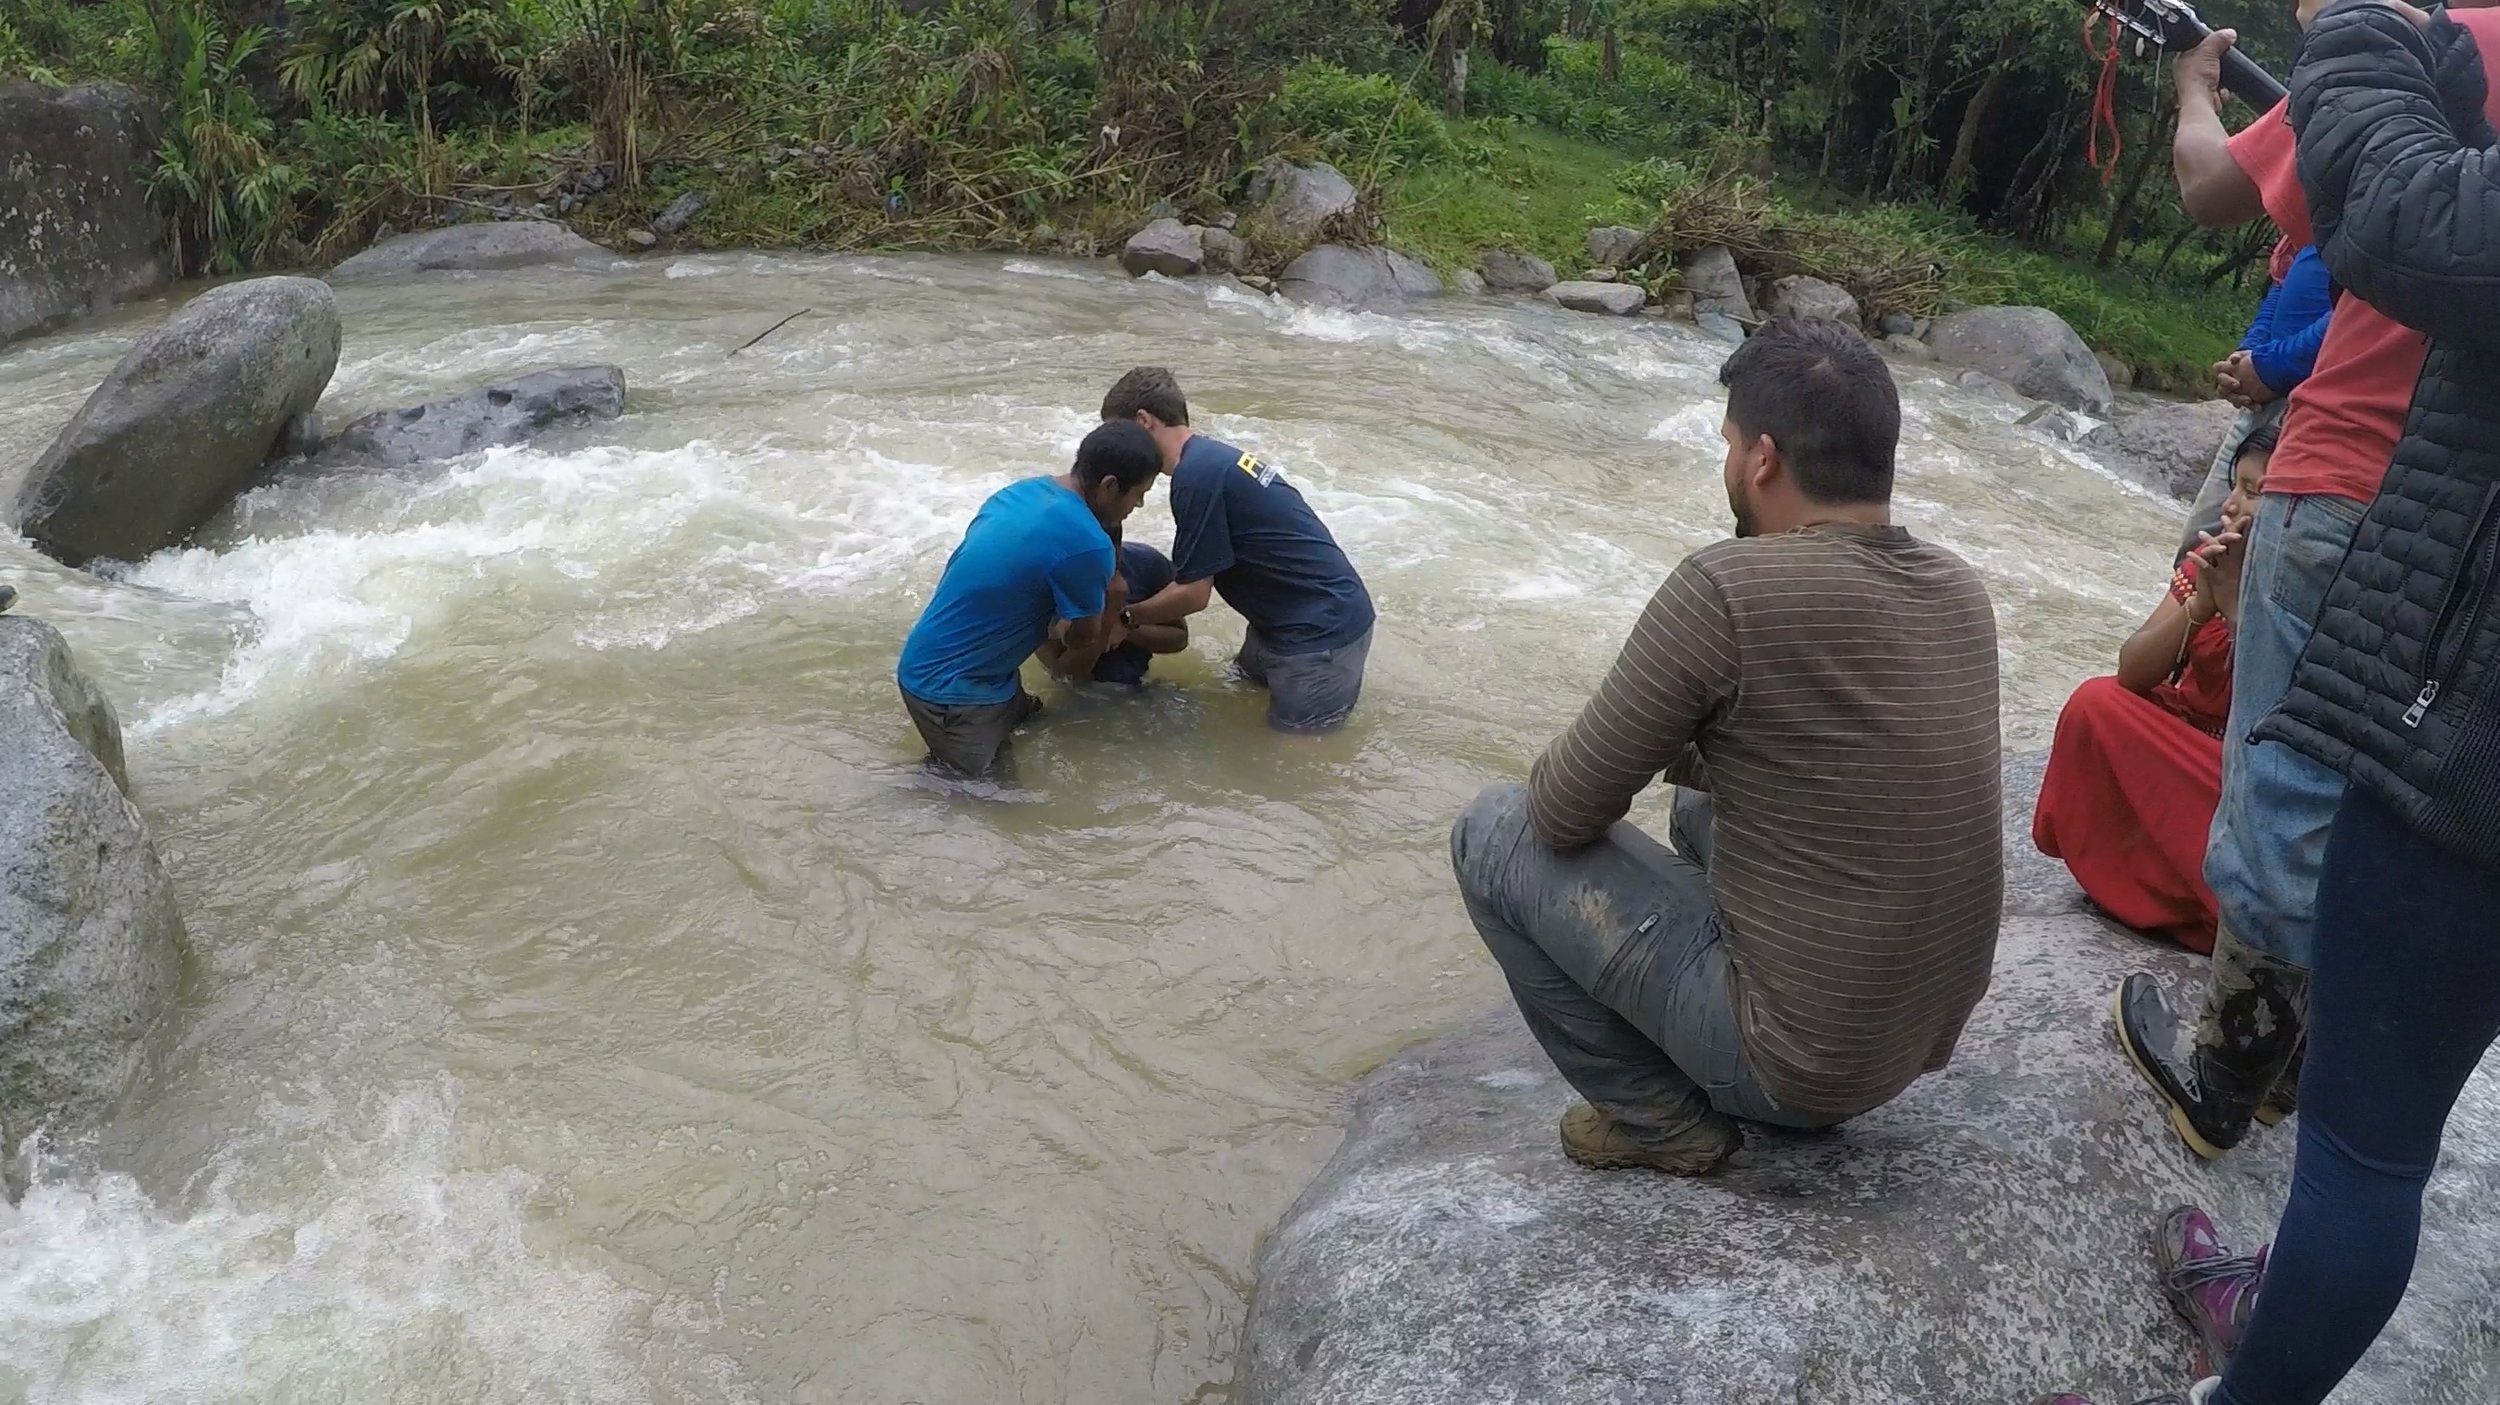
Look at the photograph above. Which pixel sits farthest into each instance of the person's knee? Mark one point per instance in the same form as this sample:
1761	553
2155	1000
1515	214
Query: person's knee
1486	831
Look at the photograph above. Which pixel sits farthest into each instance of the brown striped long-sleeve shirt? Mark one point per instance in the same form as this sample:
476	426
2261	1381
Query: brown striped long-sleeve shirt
1838	685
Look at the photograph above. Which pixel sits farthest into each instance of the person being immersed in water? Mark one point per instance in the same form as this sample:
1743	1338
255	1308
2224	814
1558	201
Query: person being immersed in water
1822	692
1143	573
1038	554
1244	532
2136	769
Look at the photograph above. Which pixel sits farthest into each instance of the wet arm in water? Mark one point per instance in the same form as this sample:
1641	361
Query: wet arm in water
1173	603
1160	638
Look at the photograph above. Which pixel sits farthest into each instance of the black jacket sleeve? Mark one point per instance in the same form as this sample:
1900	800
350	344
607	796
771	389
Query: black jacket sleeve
2397	164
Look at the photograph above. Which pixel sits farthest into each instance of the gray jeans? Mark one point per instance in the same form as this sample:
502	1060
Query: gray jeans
972	741
1619	962
1305	692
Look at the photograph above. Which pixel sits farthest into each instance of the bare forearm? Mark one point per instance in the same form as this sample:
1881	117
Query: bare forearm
2151	654
1170	605
1159	638
2212	188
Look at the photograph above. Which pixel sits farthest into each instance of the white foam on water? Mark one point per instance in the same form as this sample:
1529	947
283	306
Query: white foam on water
397	1272
637	546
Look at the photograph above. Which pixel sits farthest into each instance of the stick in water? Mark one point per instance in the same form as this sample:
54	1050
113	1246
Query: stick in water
777	326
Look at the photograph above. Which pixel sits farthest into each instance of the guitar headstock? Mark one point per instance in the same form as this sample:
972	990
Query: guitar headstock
2171	25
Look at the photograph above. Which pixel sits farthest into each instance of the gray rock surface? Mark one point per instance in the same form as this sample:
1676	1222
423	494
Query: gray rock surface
1341	275
1225	251
1711	276
90	937
182	424
1612	299
475	248
505	413
680	213
1297	202
1510	271
1720	326
2029	348
1468	282
1898	324
77	231
1814	300
1168	247
1909	348
2167	447
1614	245
2119	372
1980	1241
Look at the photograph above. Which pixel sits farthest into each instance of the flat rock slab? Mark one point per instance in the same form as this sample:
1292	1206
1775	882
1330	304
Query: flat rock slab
476	248
90	937
1612	299
1981	1241
184	422
2029	348
80	233
508	412
1168	247
1350	276
2168	448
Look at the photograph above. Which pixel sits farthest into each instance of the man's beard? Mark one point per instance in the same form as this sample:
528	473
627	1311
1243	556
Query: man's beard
1746	526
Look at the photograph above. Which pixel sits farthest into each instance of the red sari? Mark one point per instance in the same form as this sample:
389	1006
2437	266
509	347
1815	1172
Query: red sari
2131	788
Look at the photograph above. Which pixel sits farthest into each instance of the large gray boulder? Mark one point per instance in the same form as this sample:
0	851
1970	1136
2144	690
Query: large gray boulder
2029	348
505	413
1510	271
1296	202
2167	448
90	937
1814	300
184	421
1717	285
1168	247
1982	1239
1341	275
1611	299
475	248
77	230
1225	252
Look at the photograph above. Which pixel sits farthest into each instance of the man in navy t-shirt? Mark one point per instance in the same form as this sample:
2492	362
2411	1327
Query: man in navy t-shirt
1244	532
1038	557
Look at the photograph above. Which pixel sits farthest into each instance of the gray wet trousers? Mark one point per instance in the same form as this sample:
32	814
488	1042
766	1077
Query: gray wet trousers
1618	958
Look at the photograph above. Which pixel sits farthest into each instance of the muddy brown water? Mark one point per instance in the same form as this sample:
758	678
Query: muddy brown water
588	999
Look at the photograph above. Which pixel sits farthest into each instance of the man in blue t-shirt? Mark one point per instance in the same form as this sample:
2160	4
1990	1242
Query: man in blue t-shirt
1036	562
1245	533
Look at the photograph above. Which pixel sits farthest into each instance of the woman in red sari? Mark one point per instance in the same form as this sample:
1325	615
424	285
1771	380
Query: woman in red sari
2136	769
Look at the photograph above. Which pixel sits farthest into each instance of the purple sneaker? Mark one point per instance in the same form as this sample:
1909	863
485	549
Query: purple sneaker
2213	1288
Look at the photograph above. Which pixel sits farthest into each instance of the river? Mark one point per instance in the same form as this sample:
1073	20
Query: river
589	1000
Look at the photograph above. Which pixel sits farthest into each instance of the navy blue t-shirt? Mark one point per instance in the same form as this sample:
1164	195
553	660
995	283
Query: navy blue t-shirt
1241	523
1146	573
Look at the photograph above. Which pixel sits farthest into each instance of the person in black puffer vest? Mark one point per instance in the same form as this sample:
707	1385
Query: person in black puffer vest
2399	690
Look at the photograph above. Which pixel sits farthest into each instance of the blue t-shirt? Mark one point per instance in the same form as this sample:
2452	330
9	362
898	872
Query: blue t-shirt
1146	572
1033	554
1240	522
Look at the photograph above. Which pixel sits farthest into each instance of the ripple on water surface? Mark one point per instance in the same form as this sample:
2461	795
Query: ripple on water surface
589	1000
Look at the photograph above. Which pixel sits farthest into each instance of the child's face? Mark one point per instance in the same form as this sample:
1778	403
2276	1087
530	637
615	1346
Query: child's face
2248	481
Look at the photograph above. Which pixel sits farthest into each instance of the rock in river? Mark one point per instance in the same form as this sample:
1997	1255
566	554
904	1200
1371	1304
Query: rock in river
77	230
2029	348
506	413
1613	299
1614	245
1168	247
475	248
2167	448
89	933
1981	1240
1813	300
1341	275
1510	271
184	421
1297	202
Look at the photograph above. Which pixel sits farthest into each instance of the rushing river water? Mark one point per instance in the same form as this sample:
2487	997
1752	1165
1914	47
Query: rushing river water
589	1000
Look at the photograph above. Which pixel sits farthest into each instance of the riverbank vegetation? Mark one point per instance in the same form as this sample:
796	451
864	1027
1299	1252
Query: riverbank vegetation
1943	151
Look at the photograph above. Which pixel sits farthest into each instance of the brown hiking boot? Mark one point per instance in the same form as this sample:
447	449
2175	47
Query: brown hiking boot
1597	1140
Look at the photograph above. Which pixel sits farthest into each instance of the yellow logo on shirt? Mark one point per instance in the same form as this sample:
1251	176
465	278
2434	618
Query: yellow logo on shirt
1266	476
1250	464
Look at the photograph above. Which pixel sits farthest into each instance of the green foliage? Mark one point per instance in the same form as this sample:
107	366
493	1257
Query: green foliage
2170	330
232	193
1364	122
1538	191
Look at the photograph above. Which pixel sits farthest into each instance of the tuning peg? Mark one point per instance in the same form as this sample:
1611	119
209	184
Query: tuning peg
2139	46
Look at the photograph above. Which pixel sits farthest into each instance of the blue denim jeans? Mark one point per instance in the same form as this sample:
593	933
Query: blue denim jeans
1617	957
2269	834
2406	1004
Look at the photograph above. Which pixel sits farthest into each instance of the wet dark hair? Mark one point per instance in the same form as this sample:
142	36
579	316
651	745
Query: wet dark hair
1121	450
2260	440
1826	399
1148	388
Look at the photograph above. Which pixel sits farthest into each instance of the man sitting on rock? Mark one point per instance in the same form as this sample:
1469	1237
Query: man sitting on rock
1822	692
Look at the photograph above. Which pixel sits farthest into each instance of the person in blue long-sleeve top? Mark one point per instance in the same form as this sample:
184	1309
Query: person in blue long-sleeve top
2275	355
